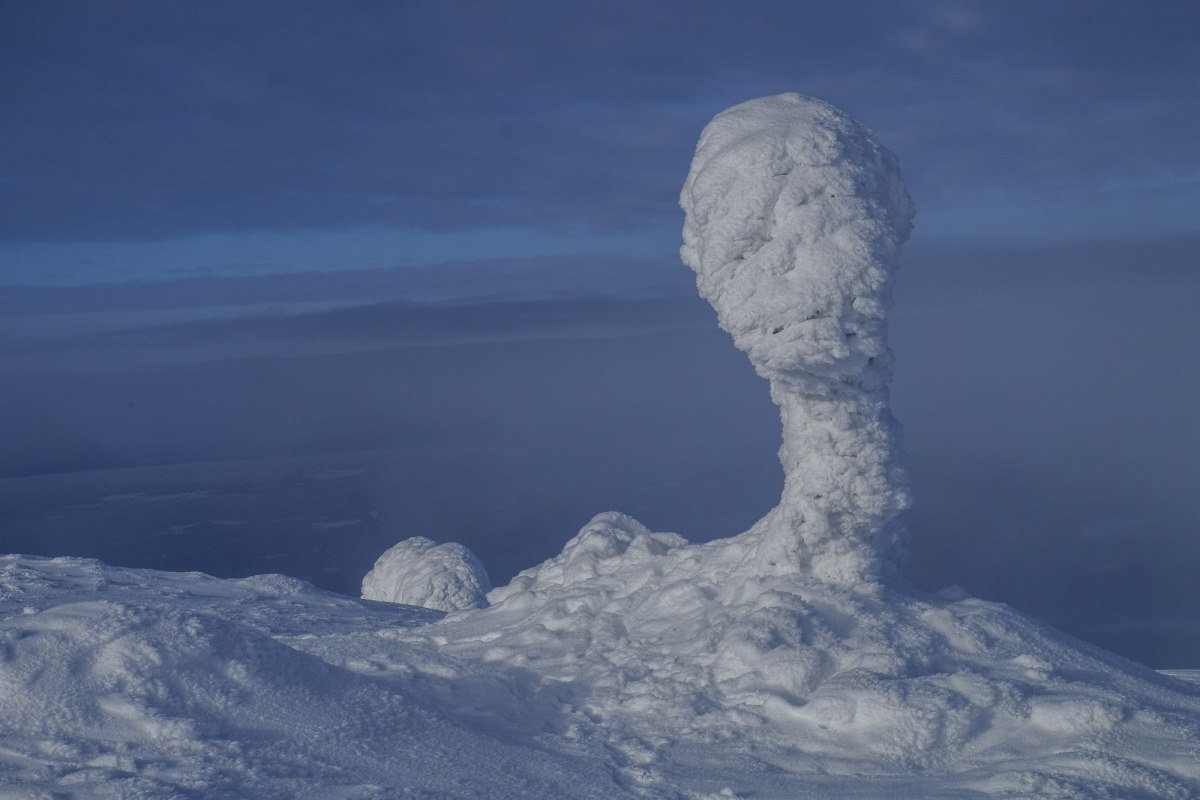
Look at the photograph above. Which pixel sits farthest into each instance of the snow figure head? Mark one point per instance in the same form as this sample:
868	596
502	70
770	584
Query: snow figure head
417	572
794	220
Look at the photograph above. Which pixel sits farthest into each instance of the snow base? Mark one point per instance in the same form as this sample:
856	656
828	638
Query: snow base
681	650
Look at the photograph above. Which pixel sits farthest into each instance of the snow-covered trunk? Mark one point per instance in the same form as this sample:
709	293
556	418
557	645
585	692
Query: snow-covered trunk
794	220
842	490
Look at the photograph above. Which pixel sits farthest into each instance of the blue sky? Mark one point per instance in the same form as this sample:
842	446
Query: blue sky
150	140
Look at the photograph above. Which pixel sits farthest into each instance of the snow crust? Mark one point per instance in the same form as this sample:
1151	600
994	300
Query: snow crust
418	572
784	662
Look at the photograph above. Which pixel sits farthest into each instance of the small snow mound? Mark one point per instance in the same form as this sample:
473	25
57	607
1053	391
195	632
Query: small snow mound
605	546
276	585
419	572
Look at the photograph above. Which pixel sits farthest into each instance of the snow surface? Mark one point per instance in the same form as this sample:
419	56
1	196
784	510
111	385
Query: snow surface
120	683
785	662
418	572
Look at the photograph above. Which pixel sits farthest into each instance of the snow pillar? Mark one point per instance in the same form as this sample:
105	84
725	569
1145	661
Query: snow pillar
794	219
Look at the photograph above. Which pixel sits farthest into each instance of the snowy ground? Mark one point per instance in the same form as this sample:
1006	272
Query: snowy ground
120	683
129	683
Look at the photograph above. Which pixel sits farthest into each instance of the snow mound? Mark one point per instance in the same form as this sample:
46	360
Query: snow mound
684	651
596	552
146	673
418	572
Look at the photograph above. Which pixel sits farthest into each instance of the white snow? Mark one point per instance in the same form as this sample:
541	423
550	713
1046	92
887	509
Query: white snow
120	683
418	572
794	220
685	654
785	662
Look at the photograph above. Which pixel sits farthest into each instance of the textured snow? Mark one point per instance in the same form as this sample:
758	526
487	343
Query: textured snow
788	661
690	657
121	683
418	572
794	220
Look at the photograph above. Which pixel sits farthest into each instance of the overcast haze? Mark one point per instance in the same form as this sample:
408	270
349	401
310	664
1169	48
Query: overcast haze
412	269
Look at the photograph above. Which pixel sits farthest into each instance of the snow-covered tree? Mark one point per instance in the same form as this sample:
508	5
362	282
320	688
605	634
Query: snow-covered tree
794	219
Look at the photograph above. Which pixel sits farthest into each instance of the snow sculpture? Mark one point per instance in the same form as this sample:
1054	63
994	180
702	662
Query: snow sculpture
418	572
794	220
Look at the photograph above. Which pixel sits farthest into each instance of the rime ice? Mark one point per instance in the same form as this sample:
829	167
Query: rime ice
417	572
794	220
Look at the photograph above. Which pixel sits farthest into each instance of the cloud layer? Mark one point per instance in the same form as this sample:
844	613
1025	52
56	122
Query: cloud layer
138	121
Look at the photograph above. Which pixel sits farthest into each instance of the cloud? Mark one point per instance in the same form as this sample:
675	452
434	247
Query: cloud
140	120
1049	438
